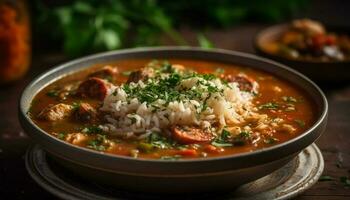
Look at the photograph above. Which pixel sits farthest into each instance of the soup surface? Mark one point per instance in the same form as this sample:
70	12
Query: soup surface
172	109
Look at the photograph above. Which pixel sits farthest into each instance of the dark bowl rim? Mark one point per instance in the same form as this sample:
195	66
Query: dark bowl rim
268	29
55	69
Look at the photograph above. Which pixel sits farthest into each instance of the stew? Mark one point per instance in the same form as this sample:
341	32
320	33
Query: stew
172	109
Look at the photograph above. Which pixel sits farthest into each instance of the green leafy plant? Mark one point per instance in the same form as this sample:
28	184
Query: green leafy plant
91	25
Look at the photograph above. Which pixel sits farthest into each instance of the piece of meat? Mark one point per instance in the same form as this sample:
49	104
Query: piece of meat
77	138
142	74
56	112
190	135
309	26
178	67
95	88
108	73
85	113
244	83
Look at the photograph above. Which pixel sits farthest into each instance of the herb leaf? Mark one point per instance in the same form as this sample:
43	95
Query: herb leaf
223	139
52	93
300	123
98	143
92	130
289	99
269	106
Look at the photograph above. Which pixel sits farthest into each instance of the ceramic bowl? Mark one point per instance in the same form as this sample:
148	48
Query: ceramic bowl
321	71
181	176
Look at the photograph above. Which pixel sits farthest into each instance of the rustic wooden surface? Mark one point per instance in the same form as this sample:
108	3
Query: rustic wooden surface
15	183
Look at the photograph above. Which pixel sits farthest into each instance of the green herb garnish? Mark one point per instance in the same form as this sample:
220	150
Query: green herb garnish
242	138
269	106
271	140
289	99
52	93
92	130
300	123
61	135
126	73
223	139
98	143
155	141
76	105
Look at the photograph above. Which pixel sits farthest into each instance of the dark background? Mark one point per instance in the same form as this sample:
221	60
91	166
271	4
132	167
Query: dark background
15	183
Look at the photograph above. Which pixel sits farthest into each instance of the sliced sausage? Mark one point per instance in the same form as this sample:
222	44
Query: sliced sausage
95	88
244	83
56	112
142	74
190	135
108	73
85	113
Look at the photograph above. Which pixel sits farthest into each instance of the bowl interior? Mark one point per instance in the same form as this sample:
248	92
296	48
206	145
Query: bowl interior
238	160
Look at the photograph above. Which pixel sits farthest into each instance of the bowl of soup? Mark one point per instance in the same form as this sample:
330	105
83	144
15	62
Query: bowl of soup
173	119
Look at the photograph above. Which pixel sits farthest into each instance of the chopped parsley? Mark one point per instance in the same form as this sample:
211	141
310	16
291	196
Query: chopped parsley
300	123
155	141
92	130
61	135
98	143
289	99
271	140
168	87
269	106
76	105
126	73
223	140
242	138
166	68
52	93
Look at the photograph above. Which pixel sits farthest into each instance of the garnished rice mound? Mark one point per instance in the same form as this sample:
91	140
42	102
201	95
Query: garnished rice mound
175	97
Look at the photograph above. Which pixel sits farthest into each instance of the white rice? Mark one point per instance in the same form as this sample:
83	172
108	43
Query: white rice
128	117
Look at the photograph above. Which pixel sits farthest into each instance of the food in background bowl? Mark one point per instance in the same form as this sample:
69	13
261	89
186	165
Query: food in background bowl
309	40
172	109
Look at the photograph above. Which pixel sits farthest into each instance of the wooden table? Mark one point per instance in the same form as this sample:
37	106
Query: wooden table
15	183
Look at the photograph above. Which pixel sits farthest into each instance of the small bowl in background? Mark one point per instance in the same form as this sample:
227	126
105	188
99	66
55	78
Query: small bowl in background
322	71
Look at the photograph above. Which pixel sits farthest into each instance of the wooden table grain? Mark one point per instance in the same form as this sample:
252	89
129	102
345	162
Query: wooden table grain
15	183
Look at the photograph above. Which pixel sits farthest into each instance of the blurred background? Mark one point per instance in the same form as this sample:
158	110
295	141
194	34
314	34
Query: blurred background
68	29
86	26
39	34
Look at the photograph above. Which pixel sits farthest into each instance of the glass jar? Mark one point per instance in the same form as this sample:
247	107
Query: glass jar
15	47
